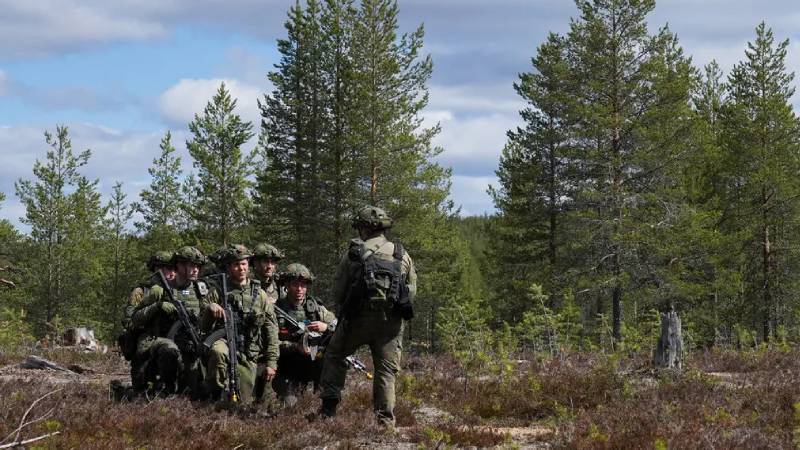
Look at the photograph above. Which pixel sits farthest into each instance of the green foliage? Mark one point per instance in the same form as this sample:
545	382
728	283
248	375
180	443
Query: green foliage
343	127
64	212
222	204
15	330
160	203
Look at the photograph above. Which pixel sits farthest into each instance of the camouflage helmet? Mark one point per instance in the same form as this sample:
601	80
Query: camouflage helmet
189	254
267	251
297	271
159	259
234	252
373	217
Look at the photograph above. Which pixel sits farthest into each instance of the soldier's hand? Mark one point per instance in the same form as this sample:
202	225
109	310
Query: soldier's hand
168	308
302	350
216	311
269	373
318	326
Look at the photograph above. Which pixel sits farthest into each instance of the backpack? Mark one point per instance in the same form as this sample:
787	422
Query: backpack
377	277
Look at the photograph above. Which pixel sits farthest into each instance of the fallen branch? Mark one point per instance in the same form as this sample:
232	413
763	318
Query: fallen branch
35	362
23	424
28	441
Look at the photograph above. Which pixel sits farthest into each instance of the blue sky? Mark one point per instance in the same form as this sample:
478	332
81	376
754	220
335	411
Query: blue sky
122	73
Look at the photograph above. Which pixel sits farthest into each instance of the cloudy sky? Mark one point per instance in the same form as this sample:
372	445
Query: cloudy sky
121	73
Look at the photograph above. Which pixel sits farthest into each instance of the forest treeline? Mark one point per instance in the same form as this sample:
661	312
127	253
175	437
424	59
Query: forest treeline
638	183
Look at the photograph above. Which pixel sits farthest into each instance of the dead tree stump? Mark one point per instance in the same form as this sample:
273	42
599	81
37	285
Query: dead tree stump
669	351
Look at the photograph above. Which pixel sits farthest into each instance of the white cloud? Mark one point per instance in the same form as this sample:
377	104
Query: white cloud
117	155
473	145
495	97
45	26
470	193
4	84
188	97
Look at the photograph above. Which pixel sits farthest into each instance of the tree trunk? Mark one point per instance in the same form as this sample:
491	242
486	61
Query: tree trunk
669	351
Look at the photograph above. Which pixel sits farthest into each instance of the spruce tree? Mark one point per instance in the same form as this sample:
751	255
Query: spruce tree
223	169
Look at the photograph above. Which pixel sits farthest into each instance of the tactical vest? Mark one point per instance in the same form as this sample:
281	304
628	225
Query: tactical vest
192	297
311	311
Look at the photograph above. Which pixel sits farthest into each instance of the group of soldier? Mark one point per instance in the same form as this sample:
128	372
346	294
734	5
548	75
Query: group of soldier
182	322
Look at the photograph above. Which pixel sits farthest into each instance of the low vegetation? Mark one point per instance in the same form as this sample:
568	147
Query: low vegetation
723	399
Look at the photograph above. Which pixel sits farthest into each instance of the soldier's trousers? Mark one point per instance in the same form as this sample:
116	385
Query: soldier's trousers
162	363
217	372
384	336
160	359
295	372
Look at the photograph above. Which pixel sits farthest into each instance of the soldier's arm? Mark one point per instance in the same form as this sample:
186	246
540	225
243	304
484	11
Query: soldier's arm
328	317
411	275
339	293
148	308
207	320
269	347
134	299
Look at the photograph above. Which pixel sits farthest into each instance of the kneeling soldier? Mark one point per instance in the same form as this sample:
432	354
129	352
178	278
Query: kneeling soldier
238	306
169	320
265	262
299	363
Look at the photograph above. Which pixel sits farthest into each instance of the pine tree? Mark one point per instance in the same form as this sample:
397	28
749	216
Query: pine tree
47	213
632	103
223	170
292	196
760	144
160	203
121	261
536	176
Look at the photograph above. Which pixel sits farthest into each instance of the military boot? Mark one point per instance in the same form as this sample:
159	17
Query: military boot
328	408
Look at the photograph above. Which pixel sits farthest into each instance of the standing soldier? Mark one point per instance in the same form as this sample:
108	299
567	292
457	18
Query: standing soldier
160	261
255	323
374	288
265	264
297	366
173	359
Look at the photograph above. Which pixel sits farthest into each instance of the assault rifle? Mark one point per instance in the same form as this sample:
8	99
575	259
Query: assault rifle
231	335
183	317
315	342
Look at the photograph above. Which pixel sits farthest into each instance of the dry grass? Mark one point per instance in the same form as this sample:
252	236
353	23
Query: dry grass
590	401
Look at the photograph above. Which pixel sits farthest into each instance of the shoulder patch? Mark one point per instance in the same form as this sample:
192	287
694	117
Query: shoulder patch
202	288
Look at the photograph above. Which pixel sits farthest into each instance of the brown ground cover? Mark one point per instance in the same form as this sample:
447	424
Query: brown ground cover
723	399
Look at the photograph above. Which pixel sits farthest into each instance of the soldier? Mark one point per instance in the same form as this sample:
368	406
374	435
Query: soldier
297	366
374	287
160	261
257	340
265	264
173	360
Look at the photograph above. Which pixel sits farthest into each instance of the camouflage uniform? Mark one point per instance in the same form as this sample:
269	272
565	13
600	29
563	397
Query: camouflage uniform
256	325
373	323
296	369
268	284
132	337
172	359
